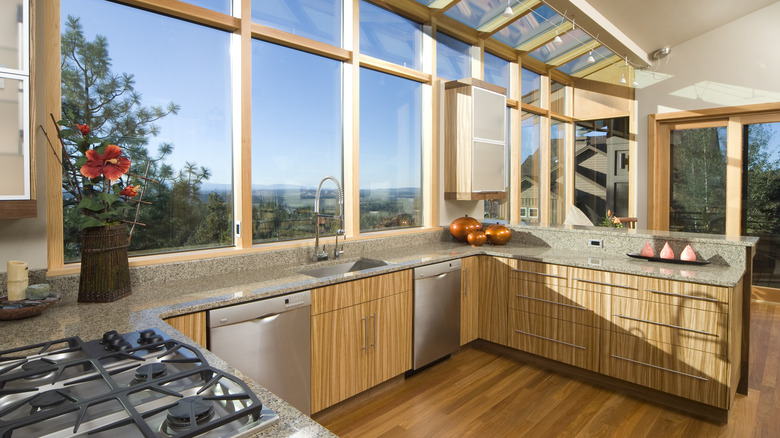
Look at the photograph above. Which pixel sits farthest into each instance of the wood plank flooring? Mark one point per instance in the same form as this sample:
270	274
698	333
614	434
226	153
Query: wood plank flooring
480	394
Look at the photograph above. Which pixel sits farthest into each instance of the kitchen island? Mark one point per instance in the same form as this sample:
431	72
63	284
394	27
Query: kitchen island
178	290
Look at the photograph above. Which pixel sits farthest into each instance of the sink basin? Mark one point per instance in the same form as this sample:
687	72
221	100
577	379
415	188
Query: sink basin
343	268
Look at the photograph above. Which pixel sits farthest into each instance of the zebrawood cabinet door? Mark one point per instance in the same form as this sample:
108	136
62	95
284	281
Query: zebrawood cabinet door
390	337
469	299
192	325
339	355
493	301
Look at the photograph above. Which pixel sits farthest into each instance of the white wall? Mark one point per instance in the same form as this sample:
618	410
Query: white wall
735	64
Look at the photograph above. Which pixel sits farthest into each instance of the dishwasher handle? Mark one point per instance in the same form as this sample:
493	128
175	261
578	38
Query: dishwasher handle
260	309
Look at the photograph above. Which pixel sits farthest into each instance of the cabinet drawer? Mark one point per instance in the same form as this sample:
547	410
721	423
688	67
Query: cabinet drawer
577	306
350	293
555	339
689	373
691	328
678	293
600	281
536	272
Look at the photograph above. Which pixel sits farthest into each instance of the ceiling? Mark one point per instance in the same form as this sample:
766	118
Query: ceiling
610	31
667	23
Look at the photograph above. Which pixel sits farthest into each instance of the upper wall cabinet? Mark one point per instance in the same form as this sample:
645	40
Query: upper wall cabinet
16	191
474	140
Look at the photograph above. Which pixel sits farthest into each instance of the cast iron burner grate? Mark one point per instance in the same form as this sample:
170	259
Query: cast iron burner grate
139	384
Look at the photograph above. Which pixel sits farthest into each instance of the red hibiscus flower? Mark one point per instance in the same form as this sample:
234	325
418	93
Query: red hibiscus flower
84	129
129	191
111	164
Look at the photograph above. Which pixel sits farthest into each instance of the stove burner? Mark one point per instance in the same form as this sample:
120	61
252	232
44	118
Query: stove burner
150	371
39	367
182	414
50	399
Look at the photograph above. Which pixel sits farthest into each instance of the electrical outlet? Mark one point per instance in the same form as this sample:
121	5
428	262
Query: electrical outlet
595	243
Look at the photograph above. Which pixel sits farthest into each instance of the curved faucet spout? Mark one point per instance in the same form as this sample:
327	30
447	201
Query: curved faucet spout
321	254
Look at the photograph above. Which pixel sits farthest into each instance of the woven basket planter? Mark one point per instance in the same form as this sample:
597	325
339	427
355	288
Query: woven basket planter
105	272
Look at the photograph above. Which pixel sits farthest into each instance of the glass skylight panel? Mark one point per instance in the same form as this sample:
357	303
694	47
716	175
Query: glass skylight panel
581	63
475	13
538	21
569	41
390	37
319	20
426	2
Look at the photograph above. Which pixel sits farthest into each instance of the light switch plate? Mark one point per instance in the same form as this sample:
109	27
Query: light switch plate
596	243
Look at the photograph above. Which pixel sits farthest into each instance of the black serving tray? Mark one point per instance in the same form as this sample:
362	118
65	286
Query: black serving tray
678	261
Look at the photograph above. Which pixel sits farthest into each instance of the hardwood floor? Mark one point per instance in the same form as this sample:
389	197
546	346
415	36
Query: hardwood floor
480	394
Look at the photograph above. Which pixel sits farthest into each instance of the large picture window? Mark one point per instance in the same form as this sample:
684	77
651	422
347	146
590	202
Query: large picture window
293	146
390	152
170	114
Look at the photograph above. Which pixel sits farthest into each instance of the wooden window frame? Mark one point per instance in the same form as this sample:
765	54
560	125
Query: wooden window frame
658	172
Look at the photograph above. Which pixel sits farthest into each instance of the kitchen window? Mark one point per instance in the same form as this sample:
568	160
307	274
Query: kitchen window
530	87
530	168
319	20
453	58
390	152
14	100
172	113
293	146
390	37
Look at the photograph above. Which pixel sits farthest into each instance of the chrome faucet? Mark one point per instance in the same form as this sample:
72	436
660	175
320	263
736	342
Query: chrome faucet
320	254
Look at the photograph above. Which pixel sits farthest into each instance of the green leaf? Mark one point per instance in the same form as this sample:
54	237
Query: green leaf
108	198
82	160
91	205
89	222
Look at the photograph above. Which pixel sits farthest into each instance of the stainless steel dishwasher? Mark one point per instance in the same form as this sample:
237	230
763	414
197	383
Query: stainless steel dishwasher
269	341
436	311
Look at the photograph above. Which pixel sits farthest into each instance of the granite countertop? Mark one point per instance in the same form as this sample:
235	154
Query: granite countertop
150	303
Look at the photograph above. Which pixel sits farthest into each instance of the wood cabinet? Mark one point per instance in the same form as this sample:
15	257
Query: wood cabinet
469	299
474	140
493	303
678	337
551	319
361	335
192	325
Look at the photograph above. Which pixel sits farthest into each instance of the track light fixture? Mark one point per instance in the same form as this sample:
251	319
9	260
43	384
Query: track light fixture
557	39
508	12
591	59
622	79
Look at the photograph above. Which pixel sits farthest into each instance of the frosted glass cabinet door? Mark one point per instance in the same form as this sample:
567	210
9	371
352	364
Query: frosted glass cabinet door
12	34
489	115
14	154
488	171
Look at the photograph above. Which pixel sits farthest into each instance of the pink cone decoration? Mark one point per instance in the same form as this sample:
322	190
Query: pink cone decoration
688	255
667	252
647	250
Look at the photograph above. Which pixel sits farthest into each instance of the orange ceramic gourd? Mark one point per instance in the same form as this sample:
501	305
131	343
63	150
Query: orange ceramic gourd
476	238
498	234
462	226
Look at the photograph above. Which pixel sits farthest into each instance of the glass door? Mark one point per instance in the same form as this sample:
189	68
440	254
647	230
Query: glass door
761	198
697	185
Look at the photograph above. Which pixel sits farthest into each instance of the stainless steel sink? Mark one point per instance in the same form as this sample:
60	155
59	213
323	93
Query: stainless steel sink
342	268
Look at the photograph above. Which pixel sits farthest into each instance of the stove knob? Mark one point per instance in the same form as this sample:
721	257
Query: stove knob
151	340
145	334
109	336
118	344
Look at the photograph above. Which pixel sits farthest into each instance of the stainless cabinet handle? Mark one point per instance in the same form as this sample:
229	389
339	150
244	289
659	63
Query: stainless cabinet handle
373	344
365	336
539	273
548	339
466	281
602	284
551	302
665	325
712	300
659	368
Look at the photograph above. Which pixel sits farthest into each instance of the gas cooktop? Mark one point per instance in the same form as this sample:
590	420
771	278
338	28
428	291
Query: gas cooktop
136	384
